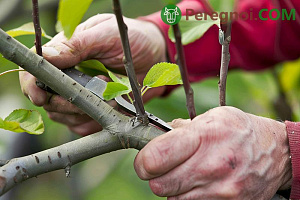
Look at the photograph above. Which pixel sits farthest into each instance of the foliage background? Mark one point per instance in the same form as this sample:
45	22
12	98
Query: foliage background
112	176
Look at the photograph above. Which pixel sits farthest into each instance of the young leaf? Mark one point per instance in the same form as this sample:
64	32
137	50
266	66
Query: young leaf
114	89
92	67
26	29
163	74
193	29
70	13
22	120
124	80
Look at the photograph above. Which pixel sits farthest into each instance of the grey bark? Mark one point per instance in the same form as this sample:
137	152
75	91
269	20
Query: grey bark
119	131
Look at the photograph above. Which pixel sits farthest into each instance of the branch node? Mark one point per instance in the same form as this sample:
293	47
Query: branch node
37	159
68	171
49	159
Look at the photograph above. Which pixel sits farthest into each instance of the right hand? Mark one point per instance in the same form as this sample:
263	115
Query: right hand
97	38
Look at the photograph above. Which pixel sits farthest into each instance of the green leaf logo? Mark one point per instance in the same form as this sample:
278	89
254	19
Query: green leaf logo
171	14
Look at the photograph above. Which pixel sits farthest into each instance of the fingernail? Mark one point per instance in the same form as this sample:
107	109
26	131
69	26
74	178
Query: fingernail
30	98
50	51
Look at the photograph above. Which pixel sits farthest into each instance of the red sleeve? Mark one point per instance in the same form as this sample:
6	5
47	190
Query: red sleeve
255	45
293	130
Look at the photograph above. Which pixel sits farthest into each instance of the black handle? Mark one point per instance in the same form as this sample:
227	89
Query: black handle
73	73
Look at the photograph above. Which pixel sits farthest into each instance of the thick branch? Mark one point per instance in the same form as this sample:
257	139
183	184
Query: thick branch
128	63
61	157
224	63
184	73
119	127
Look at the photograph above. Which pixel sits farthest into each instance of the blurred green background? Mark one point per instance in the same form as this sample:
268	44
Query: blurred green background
112	176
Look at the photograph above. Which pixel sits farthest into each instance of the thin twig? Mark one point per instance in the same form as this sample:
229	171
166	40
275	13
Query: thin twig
37	27
128	63
225	42
38	36
10	71
184	73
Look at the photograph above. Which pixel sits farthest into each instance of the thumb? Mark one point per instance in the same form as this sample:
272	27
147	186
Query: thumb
176	123
63	53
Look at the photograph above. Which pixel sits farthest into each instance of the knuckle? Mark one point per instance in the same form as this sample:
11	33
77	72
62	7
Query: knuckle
153	159
230	191
52	116
79	131
156	187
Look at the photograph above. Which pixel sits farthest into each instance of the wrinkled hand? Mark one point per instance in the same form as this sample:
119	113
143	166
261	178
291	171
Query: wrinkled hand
221	154
97	38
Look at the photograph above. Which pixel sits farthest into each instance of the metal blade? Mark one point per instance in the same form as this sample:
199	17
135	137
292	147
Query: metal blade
97	86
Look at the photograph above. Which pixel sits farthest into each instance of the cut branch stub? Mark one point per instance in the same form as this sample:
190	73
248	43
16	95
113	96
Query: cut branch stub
184	73
225	33
128	63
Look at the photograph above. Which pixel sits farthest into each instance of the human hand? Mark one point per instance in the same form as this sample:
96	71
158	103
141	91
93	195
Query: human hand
97	38
221	154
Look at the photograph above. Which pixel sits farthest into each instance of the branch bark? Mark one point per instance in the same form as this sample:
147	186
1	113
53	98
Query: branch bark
225	39
119	131
189	93
37	27
128	63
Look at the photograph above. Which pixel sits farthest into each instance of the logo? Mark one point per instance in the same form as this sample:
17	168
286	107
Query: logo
171	14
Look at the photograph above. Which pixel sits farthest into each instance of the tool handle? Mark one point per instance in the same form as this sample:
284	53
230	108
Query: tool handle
73	73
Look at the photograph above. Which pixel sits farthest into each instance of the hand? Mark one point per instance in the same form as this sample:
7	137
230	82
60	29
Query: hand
221	154
97	38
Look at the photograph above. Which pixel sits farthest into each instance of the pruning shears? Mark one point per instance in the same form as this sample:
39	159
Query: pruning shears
97	86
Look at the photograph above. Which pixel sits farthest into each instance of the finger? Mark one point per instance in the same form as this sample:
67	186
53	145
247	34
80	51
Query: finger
165	152
201	169
59	105
69	120
28	86
87	128
176	123
219	190
86	42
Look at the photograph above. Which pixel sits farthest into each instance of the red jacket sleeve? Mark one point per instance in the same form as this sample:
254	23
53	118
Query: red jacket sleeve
255	45
293	130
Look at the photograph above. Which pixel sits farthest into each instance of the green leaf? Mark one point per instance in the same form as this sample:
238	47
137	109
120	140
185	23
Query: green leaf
193	29
26	29
92	67
163	74
124	80
22	120
114	89
290	76
70	13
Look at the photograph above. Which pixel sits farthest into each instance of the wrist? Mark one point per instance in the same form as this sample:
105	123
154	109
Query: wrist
274	140
293	131
286	158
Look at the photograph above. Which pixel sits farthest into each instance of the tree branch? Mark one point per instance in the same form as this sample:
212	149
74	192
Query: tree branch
225	38
37	27
119	131
128	63
189	93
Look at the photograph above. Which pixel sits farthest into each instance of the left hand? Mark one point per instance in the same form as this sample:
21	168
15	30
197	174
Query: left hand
221	154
